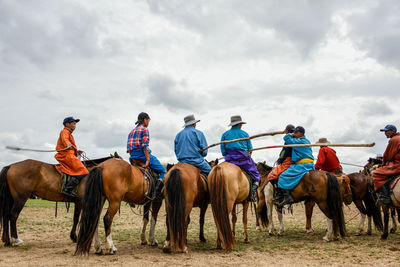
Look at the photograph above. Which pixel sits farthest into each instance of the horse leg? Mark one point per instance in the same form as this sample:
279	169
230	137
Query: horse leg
309	211
369	230
97	243
245	208
363	212
167	245
16	209
146	210
329	232
394	224
203	210
108	218
385	222
234	220
270	207
77	213
156	205
280	218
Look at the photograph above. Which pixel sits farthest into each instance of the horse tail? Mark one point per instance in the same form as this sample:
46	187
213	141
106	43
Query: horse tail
335	206
372	209
219	205
91	209
6	203
176	209
263	210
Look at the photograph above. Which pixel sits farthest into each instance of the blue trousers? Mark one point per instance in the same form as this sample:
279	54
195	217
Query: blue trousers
198	162
154	162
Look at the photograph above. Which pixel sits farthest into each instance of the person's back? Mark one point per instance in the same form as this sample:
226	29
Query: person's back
188	145
327	158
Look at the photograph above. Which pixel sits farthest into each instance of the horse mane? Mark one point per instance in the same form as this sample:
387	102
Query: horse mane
374	161
93	162
265	166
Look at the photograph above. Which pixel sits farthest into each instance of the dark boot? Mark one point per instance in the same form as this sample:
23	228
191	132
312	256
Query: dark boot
278	195
287	198
384	194
69	188
159	188
254	191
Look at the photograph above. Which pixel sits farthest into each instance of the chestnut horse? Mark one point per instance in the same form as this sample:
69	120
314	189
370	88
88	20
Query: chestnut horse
20	180
114	180
345	192
228	186
184	190
324	189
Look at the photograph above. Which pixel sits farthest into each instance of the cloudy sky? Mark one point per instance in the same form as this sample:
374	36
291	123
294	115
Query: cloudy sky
330	66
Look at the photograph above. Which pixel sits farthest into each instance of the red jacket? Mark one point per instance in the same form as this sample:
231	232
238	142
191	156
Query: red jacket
327	160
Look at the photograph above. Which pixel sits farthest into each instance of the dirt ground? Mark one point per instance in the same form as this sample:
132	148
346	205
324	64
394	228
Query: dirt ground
46	243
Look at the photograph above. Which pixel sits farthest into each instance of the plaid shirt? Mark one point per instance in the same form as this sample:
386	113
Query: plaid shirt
138	138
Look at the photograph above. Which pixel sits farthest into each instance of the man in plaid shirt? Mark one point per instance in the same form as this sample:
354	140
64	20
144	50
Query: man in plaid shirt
138	148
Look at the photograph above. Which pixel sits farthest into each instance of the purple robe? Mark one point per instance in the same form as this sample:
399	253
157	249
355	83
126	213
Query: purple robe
244	161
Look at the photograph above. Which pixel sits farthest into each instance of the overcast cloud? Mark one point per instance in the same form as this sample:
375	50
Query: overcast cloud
331	66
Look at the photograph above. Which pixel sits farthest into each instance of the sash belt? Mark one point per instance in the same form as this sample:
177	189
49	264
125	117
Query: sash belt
304	161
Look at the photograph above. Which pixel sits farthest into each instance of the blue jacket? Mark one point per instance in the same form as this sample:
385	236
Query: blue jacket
299	153
188	144
235	133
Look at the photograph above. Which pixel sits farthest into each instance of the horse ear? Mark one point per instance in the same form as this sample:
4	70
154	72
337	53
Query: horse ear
216	162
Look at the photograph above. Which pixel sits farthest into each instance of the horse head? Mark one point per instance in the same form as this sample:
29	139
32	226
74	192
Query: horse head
345	189
263	168
213	163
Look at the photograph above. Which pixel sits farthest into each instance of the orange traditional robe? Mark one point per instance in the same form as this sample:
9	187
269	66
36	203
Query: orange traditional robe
274	174
70	164
391	163
327	160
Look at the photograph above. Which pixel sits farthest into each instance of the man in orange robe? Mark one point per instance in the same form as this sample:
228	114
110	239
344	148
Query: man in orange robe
390	165
67	156
327	159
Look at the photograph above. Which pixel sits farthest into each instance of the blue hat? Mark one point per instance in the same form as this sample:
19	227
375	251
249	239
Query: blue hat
389	127
299	129
70	119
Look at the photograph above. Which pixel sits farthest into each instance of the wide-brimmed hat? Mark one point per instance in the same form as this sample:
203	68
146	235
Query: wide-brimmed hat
323	140
190	120
235	120
70	119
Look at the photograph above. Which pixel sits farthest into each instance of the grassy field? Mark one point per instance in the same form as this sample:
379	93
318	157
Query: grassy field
46	242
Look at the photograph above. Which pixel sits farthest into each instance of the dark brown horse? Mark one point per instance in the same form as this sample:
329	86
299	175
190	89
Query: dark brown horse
114	180
388	210
228	186
324	189
184	189
20	180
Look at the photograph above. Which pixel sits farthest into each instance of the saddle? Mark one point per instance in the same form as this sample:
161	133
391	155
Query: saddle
150	175
64	177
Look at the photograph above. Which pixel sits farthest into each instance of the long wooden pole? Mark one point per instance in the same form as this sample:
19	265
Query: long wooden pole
309	145
243	139
35	150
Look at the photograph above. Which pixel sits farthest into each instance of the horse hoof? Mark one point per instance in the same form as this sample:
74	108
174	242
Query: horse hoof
203	240
369	233
166	249
258	228
154	243
246	240
392	231
99	252
310	231
113	252
15	242
270	233
384	237
326	239
143	243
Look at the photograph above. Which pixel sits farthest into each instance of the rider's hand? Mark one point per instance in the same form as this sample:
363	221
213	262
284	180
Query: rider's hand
69	146
79	152
147	164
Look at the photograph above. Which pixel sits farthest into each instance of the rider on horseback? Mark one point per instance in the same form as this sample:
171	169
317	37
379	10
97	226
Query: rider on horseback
390	166
67	156
188	144
284	161
303	161
238	152
327	159
138	148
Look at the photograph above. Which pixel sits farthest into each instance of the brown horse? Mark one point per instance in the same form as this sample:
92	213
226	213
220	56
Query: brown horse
324	189
114	180
20	180
228	186
388	210
346	195
184	189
